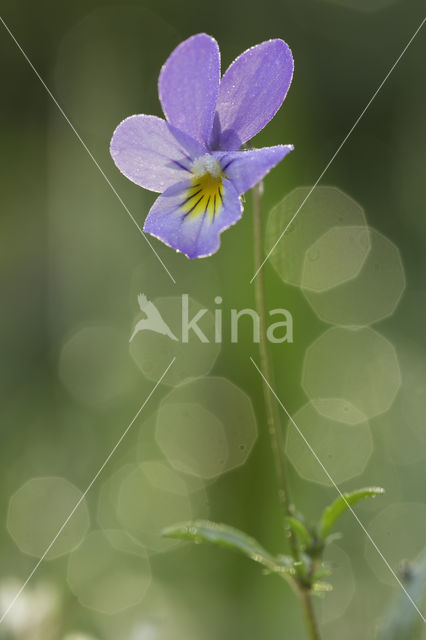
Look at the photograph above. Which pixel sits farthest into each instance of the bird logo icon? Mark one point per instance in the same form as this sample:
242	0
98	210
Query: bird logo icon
153	321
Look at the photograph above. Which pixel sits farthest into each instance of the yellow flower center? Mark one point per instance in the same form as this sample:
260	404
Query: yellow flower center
205	196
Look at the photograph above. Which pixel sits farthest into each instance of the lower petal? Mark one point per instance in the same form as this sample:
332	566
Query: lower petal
192	222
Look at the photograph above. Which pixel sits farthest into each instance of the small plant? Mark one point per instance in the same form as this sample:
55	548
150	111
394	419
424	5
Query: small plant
201	162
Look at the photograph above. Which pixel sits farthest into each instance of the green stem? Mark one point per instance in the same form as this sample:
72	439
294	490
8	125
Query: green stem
308	610
273	415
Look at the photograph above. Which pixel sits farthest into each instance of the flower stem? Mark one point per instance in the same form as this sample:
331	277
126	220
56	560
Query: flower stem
308	610
273	413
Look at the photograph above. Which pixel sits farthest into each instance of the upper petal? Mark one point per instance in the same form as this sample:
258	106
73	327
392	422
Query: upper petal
245	168
251	92
188	86
193	229
153	153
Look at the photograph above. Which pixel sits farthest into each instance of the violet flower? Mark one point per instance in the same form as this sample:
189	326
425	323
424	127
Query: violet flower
192	159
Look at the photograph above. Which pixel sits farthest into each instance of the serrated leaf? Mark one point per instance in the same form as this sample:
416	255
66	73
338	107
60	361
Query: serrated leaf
300	530
402	620
339	506
226	536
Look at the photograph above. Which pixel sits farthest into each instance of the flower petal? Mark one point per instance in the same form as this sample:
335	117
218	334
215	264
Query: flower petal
196	233
188	86
153	153
245	168
251	92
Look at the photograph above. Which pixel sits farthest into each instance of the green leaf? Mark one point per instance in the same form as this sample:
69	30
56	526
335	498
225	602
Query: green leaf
332	537
402	621
300	530
225	536
323	571
339	506
319	588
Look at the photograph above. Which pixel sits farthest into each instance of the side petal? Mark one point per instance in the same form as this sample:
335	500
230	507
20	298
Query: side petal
245	168
191	230
152	153
188	86
251	92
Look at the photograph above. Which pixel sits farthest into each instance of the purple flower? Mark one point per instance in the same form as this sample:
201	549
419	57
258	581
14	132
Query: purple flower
192	158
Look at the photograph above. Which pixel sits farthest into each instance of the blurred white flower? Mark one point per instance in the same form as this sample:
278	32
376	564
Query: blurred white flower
33	610
145	631
78	636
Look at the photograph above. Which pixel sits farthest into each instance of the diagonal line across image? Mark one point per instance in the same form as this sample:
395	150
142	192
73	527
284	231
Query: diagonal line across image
90	154
84	494
339	148
341	494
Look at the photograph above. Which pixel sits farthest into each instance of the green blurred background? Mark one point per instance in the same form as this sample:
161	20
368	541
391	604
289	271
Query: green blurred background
72	264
